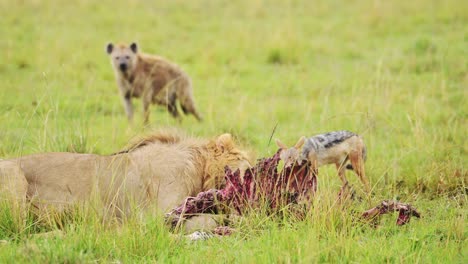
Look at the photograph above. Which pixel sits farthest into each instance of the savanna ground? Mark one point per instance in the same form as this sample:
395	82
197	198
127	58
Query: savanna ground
395	72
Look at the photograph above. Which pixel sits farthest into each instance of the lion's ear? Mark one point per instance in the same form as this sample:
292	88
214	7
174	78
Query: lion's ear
225	142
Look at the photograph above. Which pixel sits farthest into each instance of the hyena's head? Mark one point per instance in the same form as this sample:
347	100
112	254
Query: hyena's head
123	57
291	155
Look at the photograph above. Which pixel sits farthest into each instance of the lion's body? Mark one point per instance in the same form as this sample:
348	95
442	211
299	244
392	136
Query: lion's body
160	172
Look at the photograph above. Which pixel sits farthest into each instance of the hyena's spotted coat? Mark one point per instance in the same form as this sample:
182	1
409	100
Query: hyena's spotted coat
153	78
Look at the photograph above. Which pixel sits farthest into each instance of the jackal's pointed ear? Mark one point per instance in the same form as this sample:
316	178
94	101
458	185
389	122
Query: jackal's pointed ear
109	48
280	144
224	142
300	142
134	47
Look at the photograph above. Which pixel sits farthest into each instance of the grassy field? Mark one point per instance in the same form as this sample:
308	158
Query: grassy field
395	72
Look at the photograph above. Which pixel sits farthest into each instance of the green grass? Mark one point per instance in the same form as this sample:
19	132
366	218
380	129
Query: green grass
395	72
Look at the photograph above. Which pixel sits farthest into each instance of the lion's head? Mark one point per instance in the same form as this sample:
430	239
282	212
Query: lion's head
212	155
223	152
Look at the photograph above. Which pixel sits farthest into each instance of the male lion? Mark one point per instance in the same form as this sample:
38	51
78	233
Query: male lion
161	170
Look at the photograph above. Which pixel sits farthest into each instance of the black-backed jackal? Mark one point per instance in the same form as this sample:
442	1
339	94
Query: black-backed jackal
337	147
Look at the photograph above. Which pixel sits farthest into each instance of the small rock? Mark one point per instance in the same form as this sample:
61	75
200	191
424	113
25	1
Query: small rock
198	235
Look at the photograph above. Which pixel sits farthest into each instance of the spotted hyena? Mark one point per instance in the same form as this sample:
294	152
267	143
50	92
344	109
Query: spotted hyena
153	78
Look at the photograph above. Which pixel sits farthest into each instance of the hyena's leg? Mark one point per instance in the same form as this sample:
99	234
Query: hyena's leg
357	162
188	106
172	107
185	95
147	99
127	101
146	111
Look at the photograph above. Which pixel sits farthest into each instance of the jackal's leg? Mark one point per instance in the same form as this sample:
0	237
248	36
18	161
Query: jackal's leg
357	162
340	167
346	193
313	163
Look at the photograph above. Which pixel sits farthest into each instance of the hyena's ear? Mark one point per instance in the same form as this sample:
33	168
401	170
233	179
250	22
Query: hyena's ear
280	144
134	47
109	48
224	142
300	142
